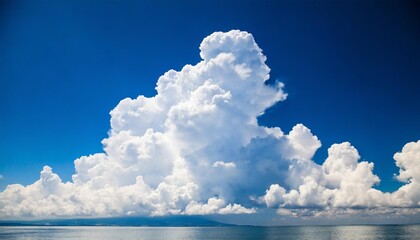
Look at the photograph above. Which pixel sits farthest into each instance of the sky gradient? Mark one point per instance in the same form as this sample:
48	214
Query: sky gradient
350	68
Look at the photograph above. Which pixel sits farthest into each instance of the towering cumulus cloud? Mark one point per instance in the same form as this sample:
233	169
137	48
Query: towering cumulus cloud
196	148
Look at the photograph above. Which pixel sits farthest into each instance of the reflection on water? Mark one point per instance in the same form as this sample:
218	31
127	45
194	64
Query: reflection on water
207	233
371	232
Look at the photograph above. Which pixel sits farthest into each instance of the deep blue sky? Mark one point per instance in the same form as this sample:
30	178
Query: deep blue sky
351	68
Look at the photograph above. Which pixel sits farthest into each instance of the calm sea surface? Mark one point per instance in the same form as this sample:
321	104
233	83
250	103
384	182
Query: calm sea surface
179	233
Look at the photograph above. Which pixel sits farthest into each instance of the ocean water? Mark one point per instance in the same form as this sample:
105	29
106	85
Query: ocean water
207	233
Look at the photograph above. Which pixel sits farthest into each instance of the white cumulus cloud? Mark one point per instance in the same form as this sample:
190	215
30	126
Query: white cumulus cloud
196	148
343	183
224	164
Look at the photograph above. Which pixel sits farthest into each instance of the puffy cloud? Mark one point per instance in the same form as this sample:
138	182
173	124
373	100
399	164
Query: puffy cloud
408	160
224	164
216	206
174	153
274	196
343	184
44	197
301	144
196	148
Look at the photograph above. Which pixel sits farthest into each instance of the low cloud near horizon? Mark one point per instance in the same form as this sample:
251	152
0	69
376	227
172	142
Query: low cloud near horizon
196	148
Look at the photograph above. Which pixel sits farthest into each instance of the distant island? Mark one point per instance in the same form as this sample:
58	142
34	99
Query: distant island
167	221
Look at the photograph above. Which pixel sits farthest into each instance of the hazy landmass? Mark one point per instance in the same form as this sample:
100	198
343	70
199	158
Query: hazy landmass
168	221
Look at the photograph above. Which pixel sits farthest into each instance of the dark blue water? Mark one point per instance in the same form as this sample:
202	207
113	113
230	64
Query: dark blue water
206	233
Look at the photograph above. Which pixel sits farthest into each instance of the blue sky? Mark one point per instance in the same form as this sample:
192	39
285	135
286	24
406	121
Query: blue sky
351	70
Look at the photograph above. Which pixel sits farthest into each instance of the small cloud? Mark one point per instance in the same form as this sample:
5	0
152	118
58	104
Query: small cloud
224	164
216	206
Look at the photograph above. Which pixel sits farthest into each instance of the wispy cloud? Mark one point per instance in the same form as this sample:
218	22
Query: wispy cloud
196	148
